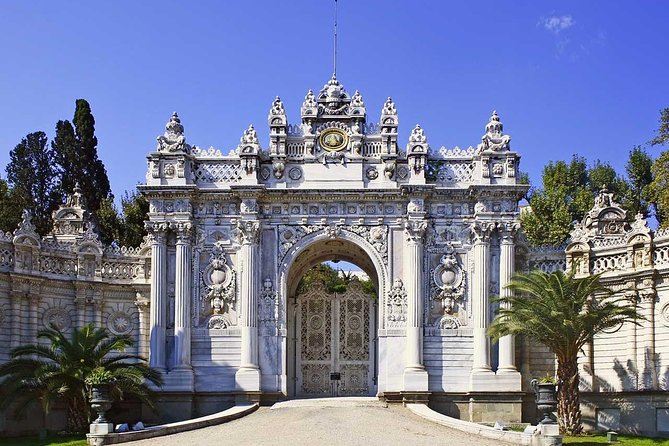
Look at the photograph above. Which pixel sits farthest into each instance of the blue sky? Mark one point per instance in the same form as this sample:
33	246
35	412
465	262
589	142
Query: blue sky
566	77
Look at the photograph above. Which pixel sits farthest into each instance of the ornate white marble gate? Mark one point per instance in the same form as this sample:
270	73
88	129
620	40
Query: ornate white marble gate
335	334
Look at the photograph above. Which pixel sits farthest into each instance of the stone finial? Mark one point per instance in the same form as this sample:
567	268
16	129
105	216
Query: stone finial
75	199
277	107
309	106
356	100
495	125
494	140
173	140
26	226
417	134
389	108
333	91
250	136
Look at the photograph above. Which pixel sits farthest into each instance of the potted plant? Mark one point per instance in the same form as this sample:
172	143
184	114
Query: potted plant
99	381
546	397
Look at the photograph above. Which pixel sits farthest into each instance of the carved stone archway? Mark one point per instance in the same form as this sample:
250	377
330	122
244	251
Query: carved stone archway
320	246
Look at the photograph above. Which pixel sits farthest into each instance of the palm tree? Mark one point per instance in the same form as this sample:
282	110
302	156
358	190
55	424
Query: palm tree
59	372
563	313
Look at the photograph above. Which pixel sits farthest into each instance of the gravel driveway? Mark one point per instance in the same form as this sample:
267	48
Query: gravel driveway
368	425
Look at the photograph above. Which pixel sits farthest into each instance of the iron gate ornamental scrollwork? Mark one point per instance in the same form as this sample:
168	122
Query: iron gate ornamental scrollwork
334	335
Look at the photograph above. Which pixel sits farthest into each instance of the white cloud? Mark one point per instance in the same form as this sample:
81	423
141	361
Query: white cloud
555	23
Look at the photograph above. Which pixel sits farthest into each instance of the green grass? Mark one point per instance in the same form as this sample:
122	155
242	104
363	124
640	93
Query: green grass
71	440
588	440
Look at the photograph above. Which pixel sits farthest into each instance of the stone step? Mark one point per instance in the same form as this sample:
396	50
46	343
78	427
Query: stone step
348	401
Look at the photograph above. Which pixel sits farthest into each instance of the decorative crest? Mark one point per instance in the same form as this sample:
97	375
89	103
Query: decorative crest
417	134
494	140
277	107
26	227
309	106
173	140
389	108
250	136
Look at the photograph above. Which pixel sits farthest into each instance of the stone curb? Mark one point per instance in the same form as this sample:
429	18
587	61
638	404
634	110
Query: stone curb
173	428
473	428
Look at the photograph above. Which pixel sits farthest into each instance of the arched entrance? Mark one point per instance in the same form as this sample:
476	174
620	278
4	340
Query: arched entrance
334	344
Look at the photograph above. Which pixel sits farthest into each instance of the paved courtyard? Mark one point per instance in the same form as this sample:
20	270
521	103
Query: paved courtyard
294	424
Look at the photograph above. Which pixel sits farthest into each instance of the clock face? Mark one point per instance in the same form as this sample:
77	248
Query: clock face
333	140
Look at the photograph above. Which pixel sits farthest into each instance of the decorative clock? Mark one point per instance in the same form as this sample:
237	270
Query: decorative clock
333	140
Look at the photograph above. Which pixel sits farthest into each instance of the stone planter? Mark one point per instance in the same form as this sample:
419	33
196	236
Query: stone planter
546	399
100	402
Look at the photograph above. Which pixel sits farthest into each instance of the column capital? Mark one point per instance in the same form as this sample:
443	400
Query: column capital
183	230
481	231
507	231
414	230
249	231
156	231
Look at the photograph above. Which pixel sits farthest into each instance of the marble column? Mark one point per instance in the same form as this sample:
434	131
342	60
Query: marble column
182	301
507	360
480	305
158	297
415	375
247	377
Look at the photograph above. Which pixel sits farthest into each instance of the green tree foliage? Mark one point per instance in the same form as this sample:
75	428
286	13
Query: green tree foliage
568	191
563	313
332	279
30	174
63	369
637	197
564	197
659	187
135	209
662	136
10	208
110	225
77	154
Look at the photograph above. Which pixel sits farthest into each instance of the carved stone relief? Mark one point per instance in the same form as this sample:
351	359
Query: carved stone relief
218	296
447	290
396	305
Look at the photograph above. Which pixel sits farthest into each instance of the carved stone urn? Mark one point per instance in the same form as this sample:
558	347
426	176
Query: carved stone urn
100	402
546	399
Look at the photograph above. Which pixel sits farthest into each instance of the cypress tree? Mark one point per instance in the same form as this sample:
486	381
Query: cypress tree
30	174
77	154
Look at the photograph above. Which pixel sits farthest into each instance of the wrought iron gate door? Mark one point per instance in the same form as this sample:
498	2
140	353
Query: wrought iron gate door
335	334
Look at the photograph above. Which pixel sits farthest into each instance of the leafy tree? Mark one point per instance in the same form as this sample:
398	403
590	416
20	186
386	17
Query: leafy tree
332	279
59	372
639	176
563	313
135	208
564	197
31	173
662	136
108	221
64	146
659	187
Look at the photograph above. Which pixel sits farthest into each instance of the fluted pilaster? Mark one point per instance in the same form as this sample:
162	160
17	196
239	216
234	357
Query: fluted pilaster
182	290
158	311
507	359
